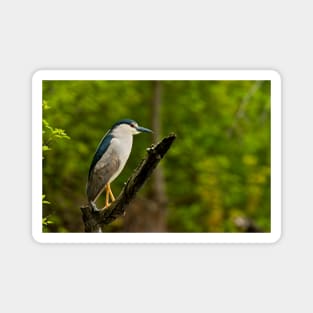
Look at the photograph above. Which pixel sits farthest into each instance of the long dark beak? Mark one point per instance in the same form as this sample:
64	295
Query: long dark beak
143	130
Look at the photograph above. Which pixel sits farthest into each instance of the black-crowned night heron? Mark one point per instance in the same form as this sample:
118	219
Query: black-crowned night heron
110	158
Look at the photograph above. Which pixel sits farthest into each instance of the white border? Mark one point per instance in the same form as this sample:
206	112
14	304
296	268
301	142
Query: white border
271	237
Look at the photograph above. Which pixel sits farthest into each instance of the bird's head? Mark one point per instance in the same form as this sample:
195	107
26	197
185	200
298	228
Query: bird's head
128	127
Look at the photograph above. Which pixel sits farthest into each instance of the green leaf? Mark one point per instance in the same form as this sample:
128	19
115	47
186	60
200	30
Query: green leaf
44	201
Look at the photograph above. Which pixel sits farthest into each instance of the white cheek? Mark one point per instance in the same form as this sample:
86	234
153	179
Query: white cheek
135	131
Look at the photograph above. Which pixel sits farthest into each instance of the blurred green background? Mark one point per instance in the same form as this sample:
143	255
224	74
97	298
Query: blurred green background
215	177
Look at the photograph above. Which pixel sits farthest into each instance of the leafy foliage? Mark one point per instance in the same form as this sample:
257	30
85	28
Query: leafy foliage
217	169
50	135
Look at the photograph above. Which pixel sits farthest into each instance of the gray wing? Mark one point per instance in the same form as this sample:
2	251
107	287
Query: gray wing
103	170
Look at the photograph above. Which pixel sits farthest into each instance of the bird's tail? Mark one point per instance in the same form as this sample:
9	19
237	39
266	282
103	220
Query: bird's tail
89	197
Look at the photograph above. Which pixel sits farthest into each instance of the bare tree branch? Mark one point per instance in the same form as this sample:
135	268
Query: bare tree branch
94	221
240	113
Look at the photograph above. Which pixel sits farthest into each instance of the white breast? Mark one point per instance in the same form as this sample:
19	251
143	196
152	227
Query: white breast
122	145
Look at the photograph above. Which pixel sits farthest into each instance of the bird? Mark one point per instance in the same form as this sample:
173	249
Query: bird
109	160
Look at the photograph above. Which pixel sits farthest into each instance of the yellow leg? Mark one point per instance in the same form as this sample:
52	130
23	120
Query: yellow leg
111	193
107	193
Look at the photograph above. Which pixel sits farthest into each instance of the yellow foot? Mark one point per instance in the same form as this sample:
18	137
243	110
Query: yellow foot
105	207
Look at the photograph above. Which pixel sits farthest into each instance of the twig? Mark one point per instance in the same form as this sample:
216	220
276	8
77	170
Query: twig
240	113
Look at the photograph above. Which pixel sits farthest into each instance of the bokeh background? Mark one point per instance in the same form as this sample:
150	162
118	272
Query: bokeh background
215	177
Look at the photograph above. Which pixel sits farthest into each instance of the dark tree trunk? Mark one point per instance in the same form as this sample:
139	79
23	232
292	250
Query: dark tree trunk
158	186
149	215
